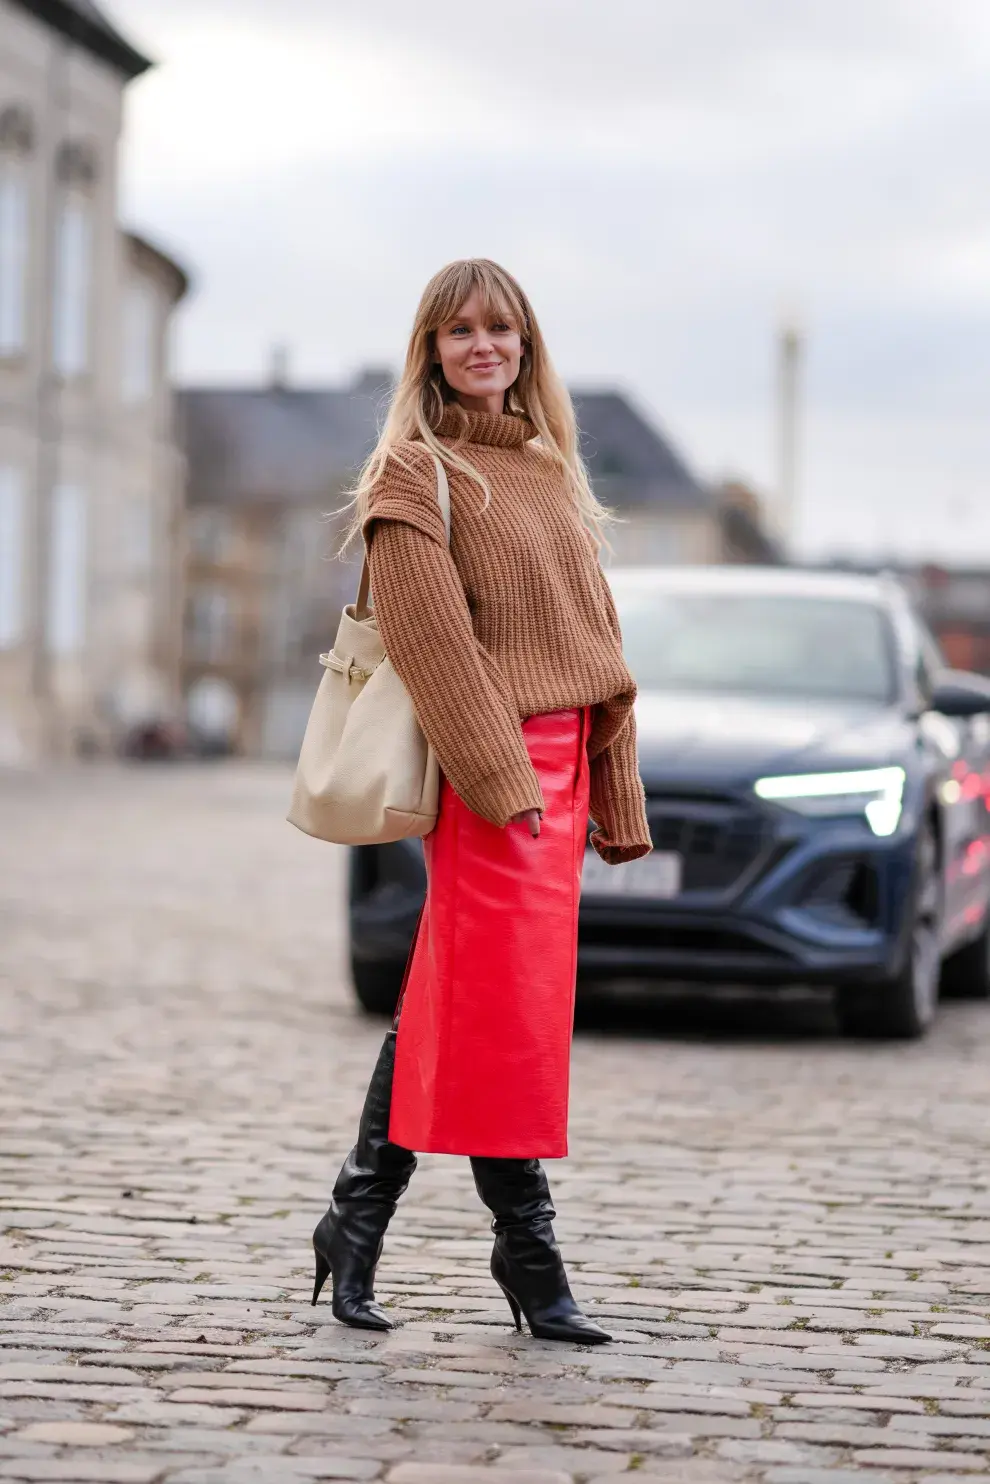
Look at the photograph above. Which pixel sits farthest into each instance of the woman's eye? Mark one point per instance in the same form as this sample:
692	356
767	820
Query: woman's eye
500	328
459	330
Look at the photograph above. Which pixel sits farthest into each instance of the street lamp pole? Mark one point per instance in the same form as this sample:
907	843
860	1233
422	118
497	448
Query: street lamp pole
790	348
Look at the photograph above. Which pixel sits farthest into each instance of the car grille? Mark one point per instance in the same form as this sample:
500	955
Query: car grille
650	937
718	840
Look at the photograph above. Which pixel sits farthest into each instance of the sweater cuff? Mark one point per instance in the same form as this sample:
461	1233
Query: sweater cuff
624	834
617	855
508	791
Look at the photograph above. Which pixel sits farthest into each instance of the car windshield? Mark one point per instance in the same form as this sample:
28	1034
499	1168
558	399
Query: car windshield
756	643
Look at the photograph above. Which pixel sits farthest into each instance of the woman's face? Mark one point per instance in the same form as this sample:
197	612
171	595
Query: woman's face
480	355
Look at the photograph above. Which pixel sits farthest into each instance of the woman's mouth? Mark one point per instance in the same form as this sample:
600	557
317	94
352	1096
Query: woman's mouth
485	366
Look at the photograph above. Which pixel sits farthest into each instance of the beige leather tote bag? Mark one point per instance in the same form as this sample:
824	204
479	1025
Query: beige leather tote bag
366	774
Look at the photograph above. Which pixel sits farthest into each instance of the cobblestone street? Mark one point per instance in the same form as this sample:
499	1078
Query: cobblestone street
788	1235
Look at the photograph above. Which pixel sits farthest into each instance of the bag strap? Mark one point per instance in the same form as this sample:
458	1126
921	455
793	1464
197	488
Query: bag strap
443	500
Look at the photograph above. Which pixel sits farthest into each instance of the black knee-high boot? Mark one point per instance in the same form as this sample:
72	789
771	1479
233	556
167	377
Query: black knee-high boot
348	1241
526	1261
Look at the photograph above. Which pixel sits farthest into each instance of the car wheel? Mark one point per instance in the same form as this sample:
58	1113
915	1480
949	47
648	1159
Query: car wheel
966	975
377	985
904	1008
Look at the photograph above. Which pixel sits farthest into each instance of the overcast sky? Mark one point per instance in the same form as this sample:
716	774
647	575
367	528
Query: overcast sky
667	178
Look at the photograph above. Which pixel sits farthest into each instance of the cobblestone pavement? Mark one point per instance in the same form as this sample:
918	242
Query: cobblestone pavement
788	1235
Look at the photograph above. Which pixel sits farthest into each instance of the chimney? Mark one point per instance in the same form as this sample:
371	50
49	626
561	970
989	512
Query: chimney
278	367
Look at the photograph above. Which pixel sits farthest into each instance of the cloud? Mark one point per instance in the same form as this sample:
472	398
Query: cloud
666	177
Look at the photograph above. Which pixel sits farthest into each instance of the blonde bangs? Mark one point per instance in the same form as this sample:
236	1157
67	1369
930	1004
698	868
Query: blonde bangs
497	296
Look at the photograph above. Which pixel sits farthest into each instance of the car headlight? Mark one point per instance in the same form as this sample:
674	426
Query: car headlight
878	793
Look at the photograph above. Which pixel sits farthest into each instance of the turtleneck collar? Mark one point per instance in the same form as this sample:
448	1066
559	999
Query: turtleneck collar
499	429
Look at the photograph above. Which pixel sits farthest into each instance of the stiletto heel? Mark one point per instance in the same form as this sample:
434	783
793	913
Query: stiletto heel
526	1261
516	1311
348	1241
322	1274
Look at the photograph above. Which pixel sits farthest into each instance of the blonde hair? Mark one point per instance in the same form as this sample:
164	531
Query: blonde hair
422	395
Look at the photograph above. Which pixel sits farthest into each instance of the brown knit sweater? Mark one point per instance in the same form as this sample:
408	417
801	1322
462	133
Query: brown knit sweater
515	619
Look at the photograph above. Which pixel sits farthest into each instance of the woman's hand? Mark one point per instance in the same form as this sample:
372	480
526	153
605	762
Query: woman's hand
529	817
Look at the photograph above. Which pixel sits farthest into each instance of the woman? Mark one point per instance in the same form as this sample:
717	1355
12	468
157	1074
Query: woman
508	644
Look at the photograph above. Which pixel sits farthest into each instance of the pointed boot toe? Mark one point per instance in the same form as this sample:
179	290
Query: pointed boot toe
576	1328
360	1314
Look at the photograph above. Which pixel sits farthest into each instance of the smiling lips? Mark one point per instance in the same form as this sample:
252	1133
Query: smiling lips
485	366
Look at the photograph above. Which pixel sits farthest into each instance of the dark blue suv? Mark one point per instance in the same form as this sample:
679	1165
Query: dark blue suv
818	787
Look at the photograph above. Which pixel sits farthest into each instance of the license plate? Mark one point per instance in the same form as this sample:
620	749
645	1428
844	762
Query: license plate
655	875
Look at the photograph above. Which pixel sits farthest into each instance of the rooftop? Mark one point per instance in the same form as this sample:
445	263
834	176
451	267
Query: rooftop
280	444
84	22
629	460
150	252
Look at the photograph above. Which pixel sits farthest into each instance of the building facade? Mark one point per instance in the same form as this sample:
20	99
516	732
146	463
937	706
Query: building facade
955	602
268	471
91	477
664	514
745	537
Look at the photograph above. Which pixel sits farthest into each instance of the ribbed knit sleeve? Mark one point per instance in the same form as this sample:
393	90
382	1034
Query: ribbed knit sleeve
462	700
618	803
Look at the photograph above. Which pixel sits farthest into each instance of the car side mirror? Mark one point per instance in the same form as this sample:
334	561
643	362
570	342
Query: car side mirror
960	693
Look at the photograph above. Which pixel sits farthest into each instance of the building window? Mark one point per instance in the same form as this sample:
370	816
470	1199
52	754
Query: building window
12	557
13	252
213	711
210	536
76	171
209	627
15	146
73	282
139	333
67	571
609	462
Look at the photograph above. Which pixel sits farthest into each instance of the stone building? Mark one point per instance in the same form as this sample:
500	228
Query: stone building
745	534
955	602
266	469
91	479
664	513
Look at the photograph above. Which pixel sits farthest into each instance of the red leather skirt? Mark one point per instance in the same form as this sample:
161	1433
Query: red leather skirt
482	1057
